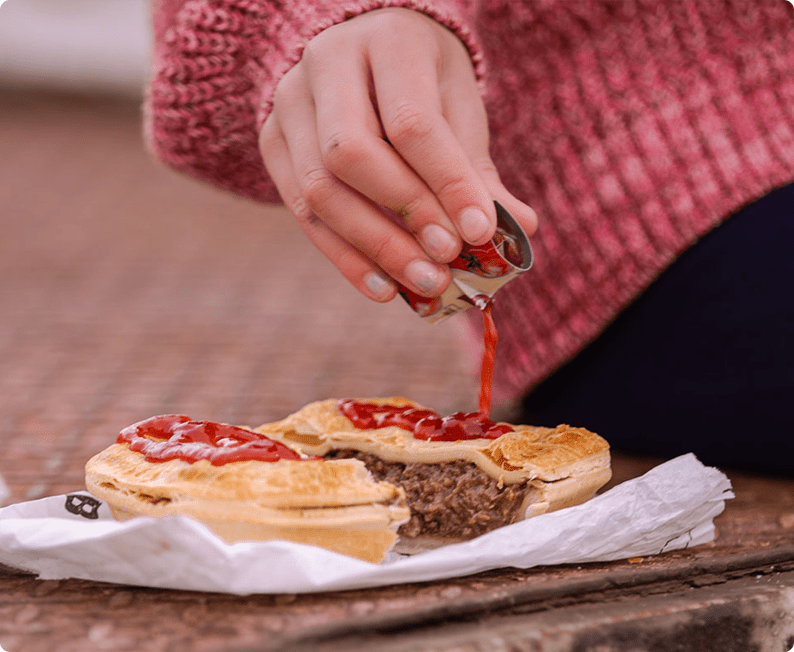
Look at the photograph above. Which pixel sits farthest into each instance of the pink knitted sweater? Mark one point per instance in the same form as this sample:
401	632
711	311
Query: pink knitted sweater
632	127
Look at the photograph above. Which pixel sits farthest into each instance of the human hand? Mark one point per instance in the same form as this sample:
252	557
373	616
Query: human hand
378	145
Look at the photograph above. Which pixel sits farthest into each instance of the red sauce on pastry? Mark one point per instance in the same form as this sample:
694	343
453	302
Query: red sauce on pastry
424	424
175	436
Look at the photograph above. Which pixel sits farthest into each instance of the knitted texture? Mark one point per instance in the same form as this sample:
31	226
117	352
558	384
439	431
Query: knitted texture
632	128
216	67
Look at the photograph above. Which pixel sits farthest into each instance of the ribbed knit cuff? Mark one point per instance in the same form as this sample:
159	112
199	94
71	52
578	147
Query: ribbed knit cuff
312	18
217	64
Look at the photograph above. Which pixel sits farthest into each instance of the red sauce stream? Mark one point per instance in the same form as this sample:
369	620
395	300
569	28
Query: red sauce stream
426	424
490	337
175	436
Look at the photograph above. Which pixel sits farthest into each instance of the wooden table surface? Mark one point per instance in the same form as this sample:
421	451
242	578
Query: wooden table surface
128	290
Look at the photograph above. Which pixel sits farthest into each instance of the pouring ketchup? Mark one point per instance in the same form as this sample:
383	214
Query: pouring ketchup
428	425
490	340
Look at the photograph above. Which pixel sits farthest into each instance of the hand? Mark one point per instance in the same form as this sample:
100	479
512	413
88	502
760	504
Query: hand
378	145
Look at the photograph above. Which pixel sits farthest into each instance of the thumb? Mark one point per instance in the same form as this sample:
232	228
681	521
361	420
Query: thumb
523	213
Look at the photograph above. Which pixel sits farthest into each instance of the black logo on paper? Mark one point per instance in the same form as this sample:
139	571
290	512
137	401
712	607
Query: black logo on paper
85	506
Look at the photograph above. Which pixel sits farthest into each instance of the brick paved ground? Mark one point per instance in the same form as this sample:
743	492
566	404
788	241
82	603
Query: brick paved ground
127	290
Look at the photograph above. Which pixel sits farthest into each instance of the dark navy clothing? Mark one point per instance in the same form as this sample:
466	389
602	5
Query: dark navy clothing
703	361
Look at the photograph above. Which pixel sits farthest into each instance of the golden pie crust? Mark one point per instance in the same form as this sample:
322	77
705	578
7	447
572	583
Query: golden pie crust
335	505
562	466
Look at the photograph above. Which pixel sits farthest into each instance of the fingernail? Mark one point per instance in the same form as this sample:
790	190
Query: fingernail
423	275
379	285
474	224
438	242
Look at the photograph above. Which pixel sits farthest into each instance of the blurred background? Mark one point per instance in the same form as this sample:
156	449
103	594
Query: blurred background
81	45
127	290
75	45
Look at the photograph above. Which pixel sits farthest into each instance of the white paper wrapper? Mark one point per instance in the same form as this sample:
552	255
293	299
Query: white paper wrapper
670	507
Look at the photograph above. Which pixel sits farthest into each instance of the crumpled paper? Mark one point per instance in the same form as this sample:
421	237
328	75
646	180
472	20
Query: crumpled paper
74	536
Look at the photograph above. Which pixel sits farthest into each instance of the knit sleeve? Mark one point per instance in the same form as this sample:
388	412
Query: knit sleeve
216	65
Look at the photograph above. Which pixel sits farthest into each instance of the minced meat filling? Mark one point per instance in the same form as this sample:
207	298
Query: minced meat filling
450	499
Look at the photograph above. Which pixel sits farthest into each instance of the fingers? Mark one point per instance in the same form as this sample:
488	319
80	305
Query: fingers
354	266
348	222
523	214
356	153
465	113
383	112
407	85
